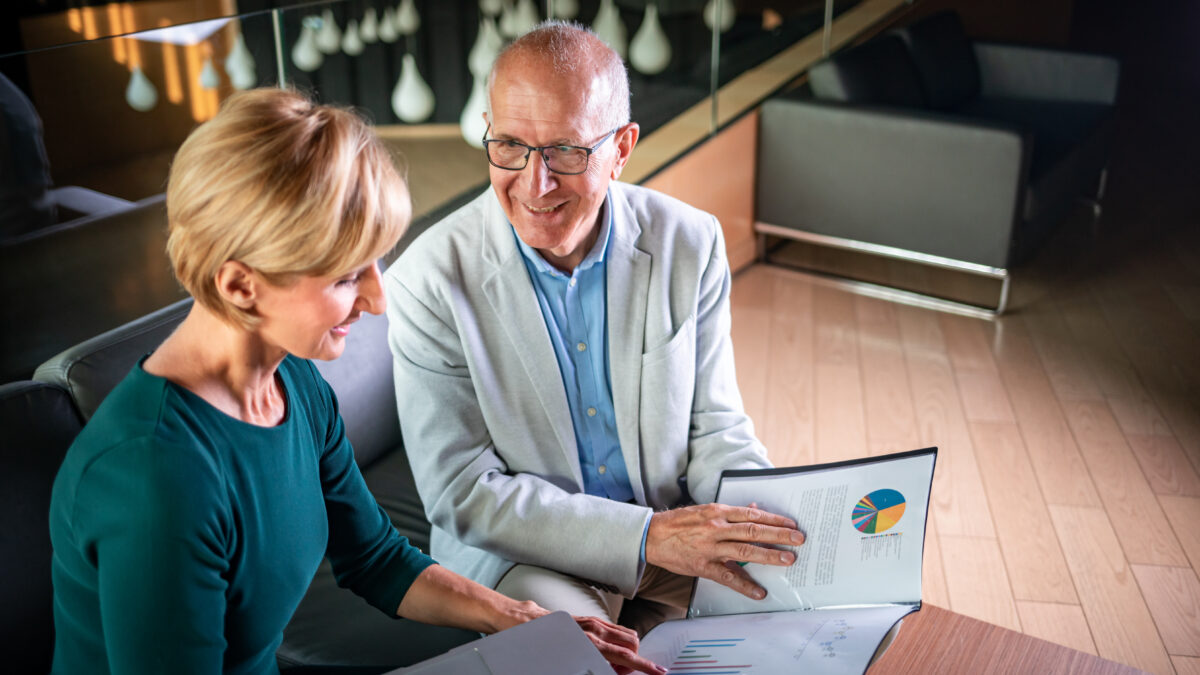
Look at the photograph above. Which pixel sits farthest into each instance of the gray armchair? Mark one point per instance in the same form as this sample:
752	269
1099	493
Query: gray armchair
921	144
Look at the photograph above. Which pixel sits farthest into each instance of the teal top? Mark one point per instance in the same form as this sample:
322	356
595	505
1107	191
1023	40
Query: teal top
184	539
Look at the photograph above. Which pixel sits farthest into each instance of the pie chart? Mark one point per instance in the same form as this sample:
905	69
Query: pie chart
878	511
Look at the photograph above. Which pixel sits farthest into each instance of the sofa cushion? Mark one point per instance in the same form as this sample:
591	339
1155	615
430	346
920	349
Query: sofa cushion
37	423
944	59
877	72
1057	127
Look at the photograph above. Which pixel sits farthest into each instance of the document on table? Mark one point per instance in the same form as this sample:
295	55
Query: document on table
856	576
864	526
770	643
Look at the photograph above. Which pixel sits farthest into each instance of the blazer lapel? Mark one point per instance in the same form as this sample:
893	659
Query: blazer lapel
514	302
628	276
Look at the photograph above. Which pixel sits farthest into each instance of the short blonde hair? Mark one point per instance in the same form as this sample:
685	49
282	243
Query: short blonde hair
285	186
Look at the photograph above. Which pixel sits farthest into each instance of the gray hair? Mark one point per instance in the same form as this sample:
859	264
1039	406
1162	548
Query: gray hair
568	48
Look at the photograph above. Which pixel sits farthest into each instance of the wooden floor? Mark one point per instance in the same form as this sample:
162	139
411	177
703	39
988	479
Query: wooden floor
1066	501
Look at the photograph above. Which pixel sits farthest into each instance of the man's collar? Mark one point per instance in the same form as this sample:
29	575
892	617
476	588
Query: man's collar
594	256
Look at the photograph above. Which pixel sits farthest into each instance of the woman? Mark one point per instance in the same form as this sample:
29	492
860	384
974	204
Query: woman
191	513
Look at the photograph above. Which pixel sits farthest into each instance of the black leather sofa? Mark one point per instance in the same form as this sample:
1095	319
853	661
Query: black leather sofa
924	144
39	418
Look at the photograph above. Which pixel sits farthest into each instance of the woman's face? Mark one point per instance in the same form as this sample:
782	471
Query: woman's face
310	318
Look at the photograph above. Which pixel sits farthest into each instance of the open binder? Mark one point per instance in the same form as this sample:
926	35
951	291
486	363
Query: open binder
857	575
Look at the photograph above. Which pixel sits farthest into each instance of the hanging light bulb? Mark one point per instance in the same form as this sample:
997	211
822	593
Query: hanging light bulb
565	9
526	17
508	20
305	53
369	30
352	43
725	21
412	99
487	46
208	75
329	37
387	26
407	18
491	8
471	120
239	65
649	51
609	27
140	94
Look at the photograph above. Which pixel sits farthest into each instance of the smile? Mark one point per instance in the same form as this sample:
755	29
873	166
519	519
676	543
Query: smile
547	209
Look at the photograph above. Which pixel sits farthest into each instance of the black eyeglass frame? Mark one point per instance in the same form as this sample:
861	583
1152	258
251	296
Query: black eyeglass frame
541	149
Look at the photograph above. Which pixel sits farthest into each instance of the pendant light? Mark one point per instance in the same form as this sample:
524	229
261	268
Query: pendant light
471	120
508	20
208	75
352	42
412	99
239	65
564	9
725	20
369	30
649	50
140	94
305	53
407	18
609	27
487	45
525	17
387	26
329	37
491	8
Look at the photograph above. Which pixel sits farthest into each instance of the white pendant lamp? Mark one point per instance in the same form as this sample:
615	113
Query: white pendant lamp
208	75
649	50
725	20
329	37
609	27
564	9
305	53
412	99
471	120
526	17
487	46
369	30
407	18
387	26
491	8
352	42
239	65
140	94
508	20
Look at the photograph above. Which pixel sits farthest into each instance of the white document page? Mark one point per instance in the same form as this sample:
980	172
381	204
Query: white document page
816	642
864	524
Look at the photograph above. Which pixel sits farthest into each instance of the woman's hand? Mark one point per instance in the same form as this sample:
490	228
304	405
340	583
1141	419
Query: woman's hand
618	645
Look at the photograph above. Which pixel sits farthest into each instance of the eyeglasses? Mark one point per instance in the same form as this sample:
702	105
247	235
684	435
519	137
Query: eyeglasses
569	160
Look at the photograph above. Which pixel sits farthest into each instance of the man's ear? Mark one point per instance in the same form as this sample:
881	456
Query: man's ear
237	283
625	138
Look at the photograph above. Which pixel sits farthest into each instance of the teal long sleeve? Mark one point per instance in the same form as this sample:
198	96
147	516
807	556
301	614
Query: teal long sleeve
184	539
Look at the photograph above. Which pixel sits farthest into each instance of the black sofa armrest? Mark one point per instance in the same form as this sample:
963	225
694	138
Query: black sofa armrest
1020	72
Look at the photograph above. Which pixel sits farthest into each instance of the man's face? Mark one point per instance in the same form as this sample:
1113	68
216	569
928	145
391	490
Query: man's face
551	212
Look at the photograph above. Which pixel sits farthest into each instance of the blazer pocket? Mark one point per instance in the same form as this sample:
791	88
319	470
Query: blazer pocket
686	335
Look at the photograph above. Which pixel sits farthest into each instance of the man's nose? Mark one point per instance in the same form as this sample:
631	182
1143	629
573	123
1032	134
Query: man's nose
539	176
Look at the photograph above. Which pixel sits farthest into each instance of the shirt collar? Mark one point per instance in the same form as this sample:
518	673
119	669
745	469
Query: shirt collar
594	256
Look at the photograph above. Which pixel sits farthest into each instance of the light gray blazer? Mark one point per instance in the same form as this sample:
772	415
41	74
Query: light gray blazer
482	405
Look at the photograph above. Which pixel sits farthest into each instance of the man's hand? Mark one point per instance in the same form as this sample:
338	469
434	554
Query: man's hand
618	645
707	540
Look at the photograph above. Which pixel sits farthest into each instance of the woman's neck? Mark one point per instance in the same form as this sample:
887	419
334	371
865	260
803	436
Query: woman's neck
229	367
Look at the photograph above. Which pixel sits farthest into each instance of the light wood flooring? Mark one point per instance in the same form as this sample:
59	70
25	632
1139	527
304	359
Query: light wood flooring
1066	500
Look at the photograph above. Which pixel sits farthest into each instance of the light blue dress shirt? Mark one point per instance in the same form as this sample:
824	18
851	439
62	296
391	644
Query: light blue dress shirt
575	310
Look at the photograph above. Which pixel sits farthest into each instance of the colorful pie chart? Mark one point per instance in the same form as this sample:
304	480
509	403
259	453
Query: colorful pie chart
878	511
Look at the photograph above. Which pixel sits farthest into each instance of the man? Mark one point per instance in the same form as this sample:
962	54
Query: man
563	364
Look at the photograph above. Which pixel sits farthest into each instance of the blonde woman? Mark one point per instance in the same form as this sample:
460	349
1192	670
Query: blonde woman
191	513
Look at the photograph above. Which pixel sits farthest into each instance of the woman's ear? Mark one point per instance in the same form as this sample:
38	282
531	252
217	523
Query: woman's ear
237	284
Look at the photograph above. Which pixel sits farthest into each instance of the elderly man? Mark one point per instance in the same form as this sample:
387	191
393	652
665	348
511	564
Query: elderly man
563	365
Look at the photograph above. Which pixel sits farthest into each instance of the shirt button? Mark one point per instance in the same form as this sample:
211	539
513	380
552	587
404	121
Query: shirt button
591	412
581	346
571	282
602	469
